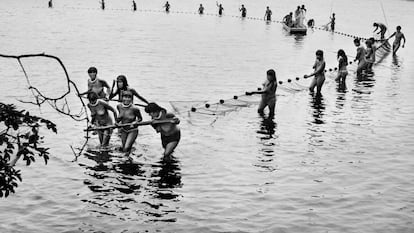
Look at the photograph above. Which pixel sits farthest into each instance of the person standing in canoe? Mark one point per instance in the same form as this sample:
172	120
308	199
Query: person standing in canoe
128	114
100	117
170	132
319	74
97	85
268	94
122	86
268	14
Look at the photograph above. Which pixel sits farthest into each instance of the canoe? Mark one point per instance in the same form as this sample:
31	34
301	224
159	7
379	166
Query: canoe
295	30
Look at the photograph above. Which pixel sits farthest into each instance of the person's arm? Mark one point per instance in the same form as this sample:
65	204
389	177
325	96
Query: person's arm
392	35
113	94
267	89
403	37
110	108
135	93
106	85
318	70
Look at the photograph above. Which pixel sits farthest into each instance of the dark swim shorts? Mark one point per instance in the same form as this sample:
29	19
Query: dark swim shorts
172	138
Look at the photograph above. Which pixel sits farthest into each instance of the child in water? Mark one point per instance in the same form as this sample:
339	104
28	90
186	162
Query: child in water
128	114
268	94
100	117
170	132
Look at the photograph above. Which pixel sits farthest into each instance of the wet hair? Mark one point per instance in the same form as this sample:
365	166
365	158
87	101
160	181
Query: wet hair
272	74
153	107
92	96
357	41
124	81
319	53
92	70
398	27
372	39
368	43
341	53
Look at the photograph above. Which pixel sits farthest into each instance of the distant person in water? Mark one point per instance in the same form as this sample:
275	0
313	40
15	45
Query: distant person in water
201	9
288	19
170	132
134	5
332	23
319	73
102	4
243	11
370	55
97	85
50	3
268	94
360	57
311	23
122	86
342	66
220	11
100	117
397	42
382	29
167	7
268	14
128	114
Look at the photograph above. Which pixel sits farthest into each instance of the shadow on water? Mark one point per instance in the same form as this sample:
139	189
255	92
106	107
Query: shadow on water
131	186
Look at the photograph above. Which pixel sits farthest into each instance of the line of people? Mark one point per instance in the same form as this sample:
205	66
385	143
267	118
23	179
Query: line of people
127	115
364	56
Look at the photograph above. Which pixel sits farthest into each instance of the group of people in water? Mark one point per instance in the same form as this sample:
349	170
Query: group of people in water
365	57
300	14
127	116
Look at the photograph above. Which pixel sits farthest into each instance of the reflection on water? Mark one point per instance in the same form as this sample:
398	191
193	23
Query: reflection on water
318	105
268	139
119	183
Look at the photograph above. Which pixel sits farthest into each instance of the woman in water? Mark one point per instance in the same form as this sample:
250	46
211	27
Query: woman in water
370	55
268	93
268	14
170	132
100	117
220	8
319	73
342	64
96	84
128	114
122	86
360	57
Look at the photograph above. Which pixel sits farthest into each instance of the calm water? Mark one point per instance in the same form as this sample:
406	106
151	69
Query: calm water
340	164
